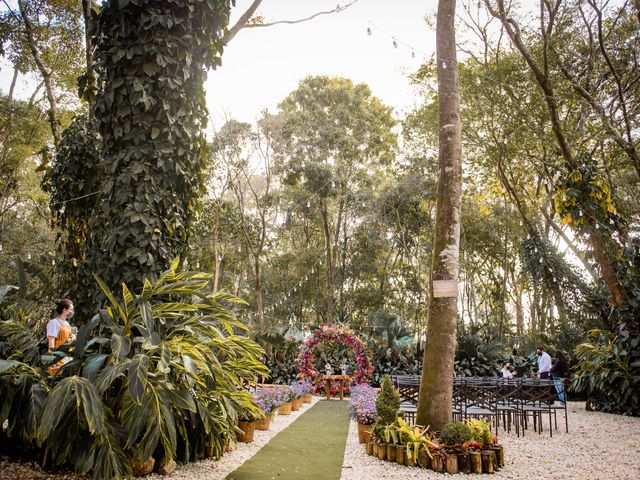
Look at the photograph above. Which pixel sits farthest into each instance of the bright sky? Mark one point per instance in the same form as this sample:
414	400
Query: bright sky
261	66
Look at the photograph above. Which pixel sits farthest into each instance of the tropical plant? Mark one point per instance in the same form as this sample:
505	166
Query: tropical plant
24	309
608	371
474	357
415	437
282	346
159	373
481	431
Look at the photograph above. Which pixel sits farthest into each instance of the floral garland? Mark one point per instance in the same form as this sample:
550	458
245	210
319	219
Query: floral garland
331	335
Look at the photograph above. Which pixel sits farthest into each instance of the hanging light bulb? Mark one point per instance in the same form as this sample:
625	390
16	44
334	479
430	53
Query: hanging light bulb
62	208
369	31
395	43
29	257
413	54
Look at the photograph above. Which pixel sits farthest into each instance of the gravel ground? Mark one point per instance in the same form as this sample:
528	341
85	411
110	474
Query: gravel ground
598	446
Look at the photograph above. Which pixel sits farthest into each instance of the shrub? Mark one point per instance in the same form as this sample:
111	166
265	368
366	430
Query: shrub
455	433
388	402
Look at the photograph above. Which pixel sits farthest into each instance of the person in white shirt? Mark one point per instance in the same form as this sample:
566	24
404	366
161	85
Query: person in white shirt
59	331
544	364
506	373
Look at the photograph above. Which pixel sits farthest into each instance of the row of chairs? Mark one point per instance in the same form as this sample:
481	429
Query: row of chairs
514	403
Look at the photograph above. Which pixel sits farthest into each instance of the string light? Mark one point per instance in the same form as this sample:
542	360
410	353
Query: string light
396	42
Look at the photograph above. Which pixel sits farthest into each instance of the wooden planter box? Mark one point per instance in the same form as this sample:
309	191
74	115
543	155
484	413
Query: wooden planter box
285	408
476	461
364	433
391	453
296	404
307	398
382	451
370	446
424	460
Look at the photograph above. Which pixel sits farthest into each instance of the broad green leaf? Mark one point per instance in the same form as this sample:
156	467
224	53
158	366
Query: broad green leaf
109	374
120	345
137	377
92	364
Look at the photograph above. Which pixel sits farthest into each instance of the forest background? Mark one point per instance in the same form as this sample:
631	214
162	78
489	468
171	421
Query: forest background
322	210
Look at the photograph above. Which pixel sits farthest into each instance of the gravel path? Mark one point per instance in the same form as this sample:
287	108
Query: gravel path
598	446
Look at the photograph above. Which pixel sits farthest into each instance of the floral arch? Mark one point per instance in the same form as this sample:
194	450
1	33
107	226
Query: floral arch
336	346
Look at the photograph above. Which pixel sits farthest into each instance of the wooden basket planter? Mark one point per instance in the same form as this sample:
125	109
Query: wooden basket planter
475	461
296	404
248	429
307	398
265	423
364	433
285	409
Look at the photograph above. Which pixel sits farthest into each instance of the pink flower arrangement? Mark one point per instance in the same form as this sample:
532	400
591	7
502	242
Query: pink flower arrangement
321	339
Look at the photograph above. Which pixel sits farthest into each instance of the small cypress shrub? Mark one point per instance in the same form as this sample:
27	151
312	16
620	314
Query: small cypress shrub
388	402
455	433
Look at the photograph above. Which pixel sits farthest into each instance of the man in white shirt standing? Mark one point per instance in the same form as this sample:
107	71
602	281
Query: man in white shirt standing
544	364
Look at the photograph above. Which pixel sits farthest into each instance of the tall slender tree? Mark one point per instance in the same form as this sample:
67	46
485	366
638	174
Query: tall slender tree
436	388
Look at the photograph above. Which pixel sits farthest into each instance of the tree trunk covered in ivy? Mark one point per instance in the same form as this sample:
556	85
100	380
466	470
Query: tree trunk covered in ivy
436	387
151	58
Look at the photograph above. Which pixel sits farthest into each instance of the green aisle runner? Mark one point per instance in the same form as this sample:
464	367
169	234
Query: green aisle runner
311	448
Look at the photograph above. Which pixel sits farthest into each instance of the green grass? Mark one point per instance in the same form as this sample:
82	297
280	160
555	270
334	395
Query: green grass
312	447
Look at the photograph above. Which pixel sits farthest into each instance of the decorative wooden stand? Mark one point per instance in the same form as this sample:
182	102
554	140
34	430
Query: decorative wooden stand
328	379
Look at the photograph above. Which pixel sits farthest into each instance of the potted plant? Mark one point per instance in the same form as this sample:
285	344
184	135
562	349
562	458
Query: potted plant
266	400
308	390
284	397
297	392
362	409
246	427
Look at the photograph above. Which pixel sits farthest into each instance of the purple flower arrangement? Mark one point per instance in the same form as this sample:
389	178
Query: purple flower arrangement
266	400
307	387
362	404
300	389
